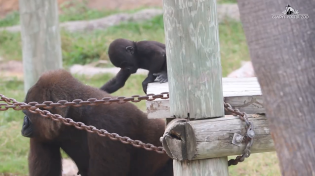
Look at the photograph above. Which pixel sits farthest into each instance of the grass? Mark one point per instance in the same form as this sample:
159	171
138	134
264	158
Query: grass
11	19
71	10
227	1
84	48
258	164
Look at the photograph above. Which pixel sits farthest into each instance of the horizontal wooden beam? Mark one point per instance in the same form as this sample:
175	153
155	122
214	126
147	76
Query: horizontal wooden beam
212	138
241	93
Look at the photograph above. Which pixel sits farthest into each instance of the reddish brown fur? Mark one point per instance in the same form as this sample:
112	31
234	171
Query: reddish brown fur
93	155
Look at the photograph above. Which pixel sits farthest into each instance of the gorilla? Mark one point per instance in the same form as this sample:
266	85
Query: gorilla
93	155
130	55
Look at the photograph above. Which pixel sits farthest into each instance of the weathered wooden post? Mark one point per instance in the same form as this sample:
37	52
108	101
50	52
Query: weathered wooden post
194	70
40	38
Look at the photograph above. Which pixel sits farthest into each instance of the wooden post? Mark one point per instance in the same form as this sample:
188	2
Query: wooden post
40	38
194	73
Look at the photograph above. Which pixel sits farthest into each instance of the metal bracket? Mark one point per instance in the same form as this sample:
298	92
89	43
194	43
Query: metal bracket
237	139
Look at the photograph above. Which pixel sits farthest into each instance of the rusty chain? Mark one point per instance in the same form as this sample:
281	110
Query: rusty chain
33	107
249	136
12	103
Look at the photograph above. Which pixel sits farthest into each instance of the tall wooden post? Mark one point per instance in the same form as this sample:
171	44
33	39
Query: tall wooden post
40	37
194	70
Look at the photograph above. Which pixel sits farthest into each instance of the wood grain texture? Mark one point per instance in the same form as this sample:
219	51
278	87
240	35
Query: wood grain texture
193	58
213	137
282	52
40	38
241	93
194	73
213	167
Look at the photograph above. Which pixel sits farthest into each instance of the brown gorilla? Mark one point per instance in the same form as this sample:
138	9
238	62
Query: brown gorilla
94	155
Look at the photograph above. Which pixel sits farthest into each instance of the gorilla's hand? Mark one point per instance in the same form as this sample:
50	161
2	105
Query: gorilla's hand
161	77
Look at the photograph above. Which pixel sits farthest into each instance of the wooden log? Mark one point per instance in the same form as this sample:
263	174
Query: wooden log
241	93
40	38
212	138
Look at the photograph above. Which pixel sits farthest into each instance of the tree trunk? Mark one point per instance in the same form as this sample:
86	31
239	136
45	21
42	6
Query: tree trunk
283	55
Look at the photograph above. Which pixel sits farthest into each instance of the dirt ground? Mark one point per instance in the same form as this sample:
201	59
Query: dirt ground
7	6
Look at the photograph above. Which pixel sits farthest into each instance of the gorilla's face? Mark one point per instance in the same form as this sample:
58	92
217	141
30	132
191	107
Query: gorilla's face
122	54
27	127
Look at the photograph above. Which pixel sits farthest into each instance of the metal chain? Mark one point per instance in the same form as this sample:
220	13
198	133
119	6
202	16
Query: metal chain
12	103
33	107
9	101
249	137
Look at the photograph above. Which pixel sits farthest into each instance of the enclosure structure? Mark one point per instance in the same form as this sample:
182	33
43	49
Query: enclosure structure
213	137
199	136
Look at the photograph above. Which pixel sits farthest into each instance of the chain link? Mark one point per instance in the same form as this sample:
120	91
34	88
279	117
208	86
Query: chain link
12	103
249	137
33	107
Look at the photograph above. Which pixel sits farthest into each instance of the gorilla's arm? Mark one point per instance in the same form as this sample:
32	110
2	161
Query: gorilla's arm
44	159
117	82
148	80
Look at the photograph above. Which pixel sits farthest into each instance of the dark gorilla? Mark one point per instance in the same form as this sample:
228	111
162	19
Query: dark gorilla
130	56
93	155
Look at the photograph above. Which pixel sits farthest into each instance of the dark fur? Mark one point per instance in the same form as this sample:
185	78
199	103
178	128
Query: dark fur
93	155
130	56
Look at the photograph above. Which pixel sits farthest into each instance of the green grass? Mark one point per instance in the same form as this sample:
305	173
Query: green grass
86	47
13	147
83	48
258	164
11	46
227	1
69	11
11	19
73	10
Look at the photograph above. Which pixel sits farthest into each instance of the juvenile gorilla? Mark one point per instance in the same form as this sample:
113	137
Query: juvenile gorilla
130	56
93	155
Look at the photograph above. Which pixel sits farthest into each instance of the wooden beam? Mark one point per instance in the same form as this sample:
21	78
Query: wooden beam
40	38
194	73
212	138
241	93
